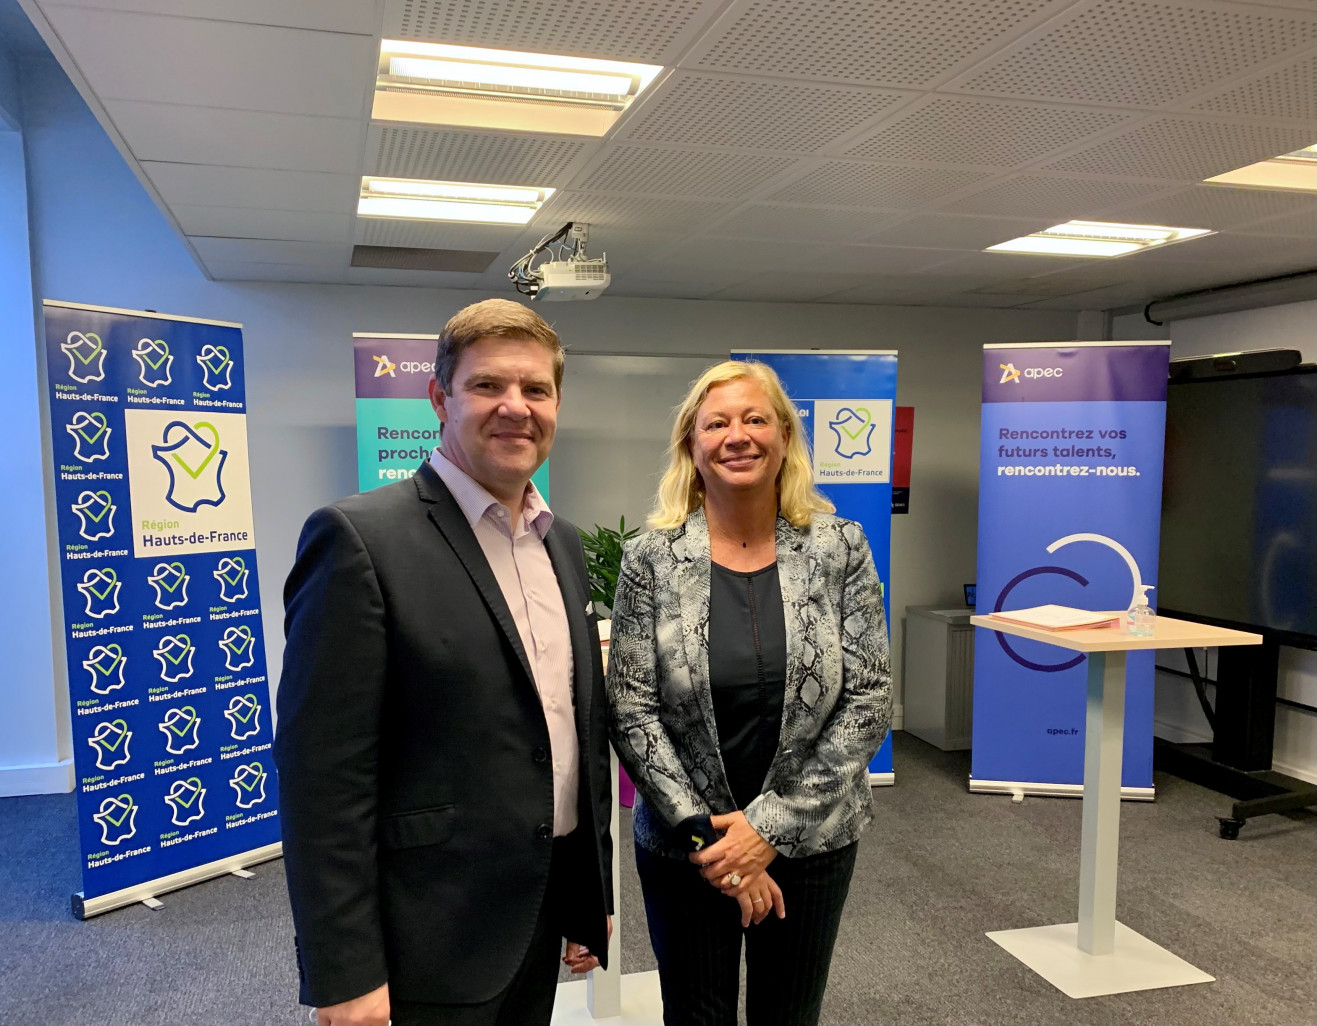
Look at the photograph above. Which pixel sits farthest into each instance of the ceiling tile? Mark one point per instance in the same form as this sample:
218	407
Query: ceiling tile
1188	149
898	42
1301	223
1061	198
413	151
646	213
1215	207
218	63
870	260
208	184
353	16
789	286
1288	92
1138	53
953	130
238	138
250	223
1245	251
723	260
421	279
316	254
882	186
644	289
253	270
380	231
951	231
987	268
765	114
790	223
623	30
683	172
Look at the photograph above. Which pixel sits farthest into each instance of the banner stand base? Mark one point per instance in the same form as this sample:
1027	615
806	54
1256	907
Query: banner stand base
1037	790
85	908
882	779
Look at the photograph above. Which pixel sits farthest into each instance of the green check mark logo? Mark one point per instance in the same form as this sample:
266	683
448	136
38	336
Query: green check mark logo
248	704
158	346
162	574
187	720
88	337
125	805
95	417
210	454
868	419
113	650
223	355
235	561
182	649
108	576
245	634
108	501
255	776
193	792
122	726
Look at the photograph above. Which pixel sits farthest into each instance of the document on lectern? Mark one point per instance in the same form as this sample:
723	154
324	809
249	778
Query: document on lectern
1057	618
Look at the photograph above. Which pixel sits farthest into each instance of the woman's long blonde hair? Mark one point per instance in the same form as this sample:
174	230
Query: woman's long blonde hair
682	489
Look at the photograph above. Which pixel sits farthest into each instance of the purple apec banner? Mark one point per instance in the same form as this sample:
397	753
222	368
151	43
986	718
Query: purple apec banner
1070	481
397	428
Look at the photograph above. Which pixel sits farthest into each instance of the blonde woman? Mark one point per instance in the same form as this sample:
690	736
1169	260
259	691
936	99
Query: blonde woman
748	689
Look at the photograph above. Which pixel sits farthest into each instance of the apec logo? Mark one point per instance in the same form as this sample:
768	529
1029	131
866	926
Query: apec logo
416	367
1009	373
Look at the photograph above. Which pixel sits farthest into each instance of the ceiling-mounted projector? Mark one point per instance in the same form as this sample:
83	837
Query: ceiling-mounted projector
573	275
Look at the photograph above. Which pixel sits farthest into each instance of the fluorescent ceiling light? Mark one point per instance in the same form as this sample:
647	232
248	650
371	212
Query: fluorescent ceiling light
449	201
1097	239
1290	172
435	83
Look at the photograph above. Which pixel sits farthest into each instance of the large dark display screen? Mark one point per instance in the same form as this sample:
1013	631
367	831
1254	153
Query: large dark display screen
1239	504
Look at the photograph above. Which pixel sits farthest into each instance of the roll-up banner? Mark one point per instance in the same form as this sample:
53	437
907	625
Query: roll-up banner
1070	484
162	619
397	428
847	401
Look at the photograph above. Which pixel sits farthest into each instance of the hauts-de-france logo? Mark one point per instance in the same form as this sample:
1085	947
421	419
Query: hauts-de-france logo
153	362
91	435
117	819
232	576
853	427
100	587
383	366
169	582
249	783
86	353
216	367
110	743
192	455
95	513
186	801
106	664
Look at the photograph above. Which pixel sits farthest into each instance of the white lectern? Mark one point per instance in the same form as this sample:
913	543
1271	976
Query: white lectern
1098	955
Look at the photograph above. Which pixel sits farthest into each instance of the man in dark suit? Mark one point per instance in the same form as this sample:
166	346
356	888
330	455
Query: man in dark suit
442	748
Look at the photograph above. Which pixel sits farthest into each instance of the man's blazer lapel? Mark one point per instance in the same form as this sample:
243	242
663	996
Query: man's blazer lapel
575	601
452	523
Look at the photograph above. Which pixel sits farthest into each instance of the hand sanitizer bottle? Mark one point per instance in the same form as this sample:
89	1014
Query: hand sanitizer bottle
1140	620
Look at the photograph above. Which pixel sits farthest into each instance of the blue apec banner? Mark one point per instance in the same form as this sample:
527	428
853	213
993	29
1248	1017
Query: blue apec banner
847	403
162	620
1070	484
397	428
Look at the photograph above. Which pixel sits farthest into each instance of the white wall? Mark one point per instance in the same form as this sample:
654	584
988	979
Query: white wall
34	754
1292	326
98	239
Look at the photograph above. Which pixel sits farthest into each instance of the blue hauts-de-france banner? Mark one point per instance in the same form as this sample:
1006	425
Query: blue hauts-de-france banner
847	402
1070	484
397	428
162	621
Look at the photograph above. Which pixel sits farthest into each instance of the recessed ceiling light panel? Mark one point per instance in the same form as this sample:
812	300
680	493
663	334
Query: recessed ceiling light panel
1097	239
435	83
1290	172
449	201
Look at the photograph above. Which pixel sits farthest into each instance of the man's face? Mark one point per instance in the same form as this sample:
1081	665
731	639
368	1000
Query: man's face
501	413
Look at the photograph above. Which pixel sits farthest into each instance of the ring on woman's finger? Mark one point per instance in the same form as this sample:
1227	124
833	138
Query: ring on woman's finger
757	901
734	879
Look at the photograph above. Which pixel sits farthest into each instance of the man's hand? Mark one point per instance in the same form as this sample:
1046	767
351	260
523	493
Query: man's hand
368	1010
740	850
577	957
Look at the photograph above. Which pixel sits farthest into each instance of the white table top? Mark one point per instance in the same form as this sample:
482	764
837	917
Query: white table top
1168	633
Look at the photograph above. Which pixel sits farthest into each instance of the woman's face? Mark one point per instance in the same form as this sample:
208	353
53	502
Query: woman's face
738	442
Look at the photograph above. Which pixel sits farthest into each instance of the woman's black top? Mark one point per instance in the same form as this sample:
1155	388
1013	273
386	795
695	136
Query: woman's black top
747	673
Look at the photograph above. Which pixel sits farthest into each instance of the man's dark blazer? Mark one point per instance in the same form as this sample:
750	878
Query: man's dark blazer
415	782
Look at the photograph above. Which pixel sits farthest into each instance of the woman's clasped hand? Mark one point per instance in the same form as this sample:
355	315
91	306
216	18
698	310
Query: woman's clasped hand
737	865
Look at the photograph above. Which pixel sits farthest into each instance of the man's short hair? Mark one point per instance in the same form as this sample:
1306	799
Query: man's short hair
493	318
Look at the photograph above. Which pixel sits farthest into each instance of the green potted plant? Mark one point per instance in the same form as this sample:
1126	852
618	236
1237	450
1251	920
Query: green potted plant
603	562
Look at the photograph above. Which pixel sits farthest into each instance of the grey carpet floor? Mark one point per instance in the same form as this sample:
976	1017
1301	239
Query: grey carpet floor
938	868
